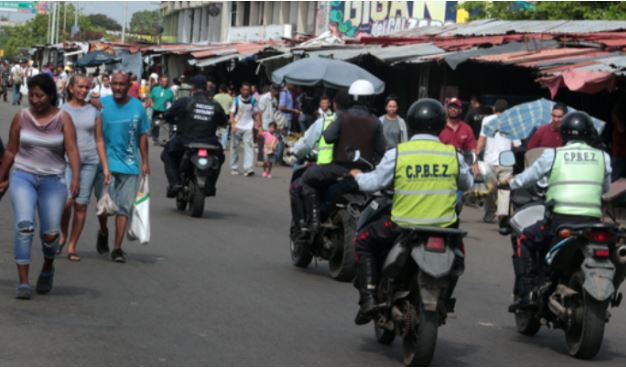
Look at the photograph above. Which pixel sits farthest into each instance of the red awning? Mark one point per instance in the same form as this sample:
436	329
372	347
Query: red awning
589	82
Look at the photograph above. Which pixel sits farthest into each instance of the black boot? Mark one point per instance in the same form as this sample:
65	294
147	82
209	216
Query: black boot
313	207
300	214
367	288
525	283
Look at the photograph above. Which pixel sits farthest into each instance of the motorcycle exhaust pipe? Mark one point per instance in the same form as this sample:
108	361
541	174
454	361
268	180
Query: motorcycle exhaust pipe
620	254
556	307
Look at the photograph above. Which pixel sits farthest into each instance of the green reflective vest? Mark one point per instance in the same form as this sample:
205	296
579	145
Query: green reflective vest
425	184
575	180
325	150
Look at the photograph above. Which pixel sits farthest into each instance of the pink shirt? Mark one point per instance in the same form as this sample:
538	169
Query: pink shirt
269	142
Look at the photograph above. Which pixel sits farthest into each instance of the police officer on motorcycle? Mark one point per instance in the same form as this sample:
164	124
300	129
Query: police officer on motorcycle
578	174
197	117
426	176
356	128
311	140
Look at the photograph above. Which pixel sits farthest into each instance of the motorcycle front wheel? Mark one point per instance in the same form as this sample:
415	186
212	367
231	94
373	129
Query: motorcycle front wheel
585	334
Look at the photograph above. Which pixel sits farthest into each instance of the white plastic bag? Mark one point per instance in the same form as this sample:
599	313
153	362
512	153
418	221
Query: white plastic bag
140	222
105	204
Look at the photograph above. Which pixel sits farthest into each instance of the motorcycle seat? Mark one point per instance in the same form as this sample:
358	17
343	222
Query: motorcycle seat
435	230
202	146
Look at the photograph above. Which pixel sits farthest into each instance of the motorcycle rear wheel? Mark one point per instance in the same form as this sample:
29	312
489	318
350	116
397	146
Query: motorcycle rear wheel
584	337
342	261
418	347
197	200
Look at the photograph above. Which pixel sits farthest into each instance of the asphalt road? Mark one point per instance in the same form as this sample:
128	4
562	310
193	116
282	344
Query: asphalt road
221	290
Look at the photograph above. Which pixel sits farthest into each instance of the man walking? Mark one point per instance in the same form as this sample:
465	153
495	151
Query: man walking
121	137
161	98
242	123
493	147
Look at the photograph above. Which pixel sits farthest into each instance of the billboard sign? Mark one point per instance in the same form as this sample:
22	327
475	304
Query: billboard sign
377	18
28	7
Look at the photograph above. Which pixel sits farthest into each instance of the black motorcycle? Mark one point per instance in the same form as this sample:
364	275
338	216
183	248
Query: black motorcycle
197	168
414	292
579	276
340	209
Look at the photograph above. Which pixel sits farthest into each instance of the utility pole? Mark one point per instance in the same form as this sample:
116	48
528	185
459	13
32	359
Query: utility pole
54	18
57	26
125	21
64	18
76	14
49	23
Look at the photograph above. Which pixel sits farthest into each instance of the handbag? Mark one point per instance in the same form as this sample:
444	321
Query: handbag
105	205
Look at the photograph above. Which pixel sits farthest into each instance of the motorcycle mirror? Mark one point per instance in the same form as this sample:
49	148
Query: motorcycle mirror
507	159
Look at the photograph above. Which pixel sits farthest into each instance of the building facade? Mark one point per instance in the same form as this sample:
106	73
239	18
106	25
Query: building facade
230	21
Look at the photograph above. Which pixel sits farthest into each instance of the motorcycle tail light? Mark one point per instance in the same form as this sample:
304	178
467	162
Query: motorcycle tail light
599	236
565	233
203	153
602	253
435	243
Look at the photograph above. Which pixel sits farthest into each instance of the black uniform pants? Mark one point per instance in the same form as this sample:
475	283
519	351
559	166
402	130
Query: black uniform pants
173	153
536	239
318	178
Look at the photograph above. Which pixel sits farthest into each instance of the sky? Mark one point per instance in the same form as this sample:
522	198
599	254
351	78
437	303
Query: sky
114	9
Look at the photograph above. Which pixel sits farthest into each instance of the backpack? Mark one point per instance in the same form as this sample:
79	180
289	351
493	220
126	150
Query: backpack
252	102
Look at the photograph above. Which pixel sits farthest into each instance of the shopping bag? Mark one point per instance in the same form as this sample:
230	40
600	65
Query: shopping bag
140	219
105	205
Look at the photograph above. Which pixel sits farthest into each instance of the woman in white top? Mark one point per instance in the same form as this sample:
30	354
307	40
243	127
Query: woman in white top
394	127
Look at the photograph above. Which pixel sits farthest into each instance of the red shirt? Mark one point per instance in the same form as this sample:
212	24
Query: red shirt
134	90
546	137
462	139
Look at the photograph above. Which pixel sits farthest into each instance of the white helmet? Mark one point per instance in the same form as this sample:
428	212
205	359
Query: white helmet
361	88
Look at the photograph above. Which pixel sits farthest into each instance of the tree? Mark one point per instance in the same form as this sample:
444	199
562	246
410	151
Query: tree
546	10
104	21
146	22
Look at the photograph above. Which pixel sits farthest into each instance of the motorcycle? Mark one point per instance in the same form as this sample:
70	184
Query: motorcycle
579	276
340	209
197	168
414	294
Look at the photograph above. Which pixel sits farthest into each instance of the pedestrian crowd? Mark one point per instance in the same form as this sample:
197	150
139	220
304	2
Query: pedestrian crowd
77	136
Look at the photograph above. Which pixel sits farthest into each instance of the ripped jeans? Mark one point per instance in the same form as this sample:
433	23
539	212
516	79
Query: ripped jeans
47	195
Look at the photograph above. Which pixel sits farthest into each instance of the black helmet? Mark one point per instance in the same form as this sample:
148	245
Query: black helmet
426	116
577	126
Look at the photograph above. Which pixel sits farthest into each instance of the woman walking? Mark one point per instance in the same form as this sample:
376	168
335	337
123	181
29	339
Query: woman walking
394	127
39	139
85	116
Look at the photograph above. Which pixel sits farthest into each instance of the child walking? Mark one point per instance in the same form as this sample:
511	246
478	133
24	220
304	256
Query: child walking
269	149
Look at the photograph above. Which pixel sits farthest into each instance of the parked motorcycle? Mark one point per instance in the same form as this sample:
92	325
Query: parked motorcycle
197	168
579	276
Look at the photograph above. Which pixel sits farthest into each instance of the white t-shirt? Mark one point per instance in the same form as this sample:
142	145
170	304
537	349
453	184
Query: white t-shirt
243	112
101	90
496	144
266	106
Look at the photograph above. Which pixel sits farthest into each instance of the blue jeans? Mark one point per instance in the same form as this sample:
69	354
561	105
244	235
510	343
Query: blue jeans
47	195
16	97
224	136
242	137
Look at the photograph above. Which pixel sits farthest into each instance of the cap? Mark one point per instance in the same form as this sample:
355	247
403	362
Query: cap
199	81
154	76
455	101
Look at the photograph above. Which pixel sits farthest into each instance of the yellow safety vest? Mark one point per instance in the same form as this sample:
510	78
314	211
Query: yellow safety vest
325	150
575	180
425	184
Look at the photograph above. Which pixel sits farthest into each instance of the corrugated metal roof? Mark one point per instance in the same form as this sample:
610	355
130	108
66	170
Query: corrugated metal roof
490	27
614	64
389	54
519	57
